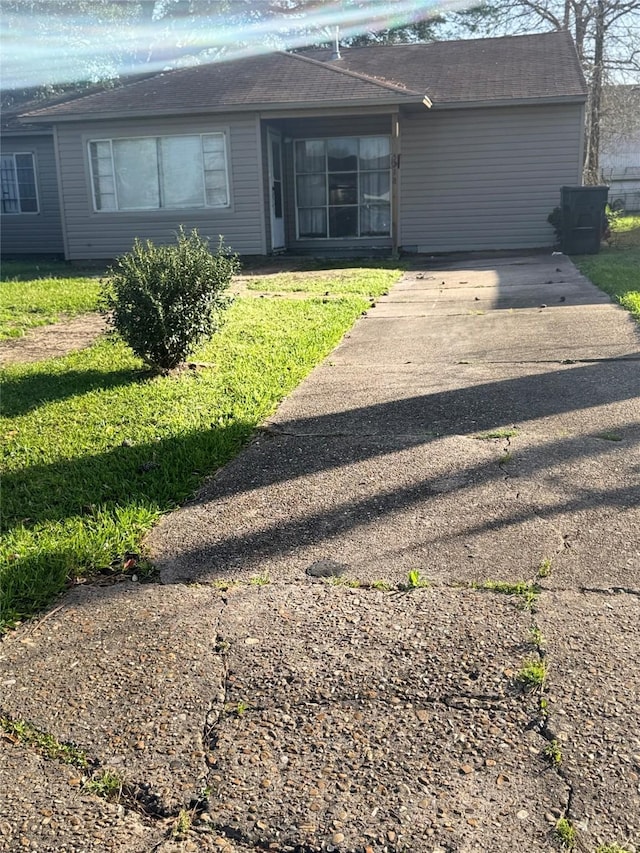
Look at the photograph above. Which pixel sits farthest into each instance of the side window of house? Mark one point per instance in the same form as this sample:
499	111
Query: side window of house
154	172
343	187
18	182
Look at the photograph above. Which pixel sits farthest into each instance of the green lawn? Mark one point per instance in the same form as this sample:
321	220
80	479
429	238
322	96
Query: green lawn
96	449
361	280
36	295
616	270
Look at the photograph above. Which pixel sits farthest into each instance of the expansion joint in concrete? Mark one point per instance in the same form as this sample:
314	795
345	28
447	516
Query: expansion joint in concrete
611	590
564	361
539	725
273	430
235	834
217	709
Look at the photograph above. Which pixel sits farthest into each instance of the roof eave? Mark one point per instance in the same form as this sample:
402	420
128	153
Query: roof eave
51	118
510	102
262	108
28	130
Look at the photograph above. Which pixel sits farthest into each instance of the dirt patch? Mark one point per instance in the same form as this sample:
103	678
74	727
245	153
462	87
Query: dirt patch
75	333
53	341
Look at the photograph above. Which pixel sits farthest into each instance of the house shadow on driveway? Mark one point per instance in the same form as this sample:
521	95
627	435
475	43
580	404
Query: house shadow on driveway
467	483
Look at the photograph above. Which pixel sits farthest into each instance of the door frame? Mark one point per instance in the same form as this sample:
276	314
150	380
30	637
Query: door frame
278	234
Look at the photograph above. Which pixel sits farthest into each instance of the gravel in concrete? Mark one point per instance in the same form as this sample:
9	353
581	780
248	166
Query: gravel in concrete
310	716
43	807
296	644
383	508
360	718
130	675
364	776
593	690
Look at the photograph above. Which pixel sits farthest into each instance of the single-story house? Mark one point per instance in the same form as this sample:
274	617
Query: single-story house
448	146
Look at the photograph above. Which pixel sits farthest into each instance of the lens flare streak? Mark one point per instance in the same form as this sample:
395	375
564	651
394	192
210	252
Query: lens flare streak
61	47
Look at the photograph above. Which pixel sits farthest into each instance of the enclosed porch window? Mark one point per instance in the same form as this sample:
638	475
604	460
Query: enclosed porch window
343	187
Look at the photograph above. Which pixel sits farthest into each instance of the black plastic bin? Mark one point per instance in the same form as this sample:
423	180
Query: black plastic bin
583	219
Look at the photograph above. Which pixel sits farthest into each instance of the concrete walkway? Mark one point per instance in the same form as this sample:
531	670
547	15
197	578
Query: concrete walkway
479	425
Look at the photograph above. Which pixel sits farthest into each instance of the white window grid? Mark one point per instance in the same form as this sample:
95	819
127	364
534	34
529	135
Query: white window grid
327	205
9	169
219	134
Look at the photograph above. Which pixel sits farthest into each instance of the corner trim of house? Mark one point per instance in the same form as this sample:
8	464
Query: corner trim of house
263	220
63	218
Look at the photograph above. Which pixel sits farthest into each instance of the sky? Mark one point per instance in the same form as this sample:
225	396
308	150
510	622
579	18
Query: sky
60	44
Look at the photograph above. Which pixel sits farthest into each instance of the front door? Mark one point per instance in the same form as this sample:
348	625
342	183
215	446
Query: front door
275	184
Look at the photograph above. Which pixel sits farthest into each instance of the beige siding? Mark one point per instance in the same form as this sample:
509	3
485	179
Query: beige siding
474	179
35	233
105	235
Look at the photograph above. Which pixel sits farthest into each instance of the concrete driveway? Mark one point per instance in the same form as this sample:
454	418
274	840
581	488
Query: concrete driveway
405	618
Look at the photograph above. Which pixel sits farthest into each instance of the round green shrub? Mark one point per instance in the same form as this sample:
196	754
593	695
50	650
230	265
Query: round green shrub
165	300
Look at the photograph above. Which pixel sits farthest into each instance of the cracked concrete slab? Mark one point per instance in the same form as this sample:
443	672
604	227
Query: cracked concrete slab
421	745
328	718
588	488
46	808
464	299
129	674
593	686
381	507
498	336
370	776
289	645
432	398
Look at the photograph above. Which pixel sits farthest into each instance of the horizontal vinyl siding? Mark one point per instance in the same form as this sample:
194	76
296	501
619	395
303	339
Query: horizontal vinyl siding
486	178
35	233
105	235
316	128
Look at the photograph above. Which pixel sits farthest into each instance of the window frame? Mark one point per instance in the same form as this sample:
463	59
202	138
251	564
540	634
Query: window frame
20	211
158	136
358	205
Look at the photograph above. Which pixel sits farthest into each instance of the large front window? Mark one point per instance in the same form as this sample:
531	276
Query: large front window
18	183
343	187
154	172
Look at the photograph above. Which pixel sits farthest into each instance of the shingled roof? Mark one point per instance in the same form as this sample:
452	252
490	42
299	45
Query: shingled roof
513	68
256	82
543	65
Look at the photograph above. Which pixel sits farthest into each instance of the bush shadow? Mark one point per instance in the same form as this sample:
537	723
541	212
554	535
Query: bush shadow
20	270
26	393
